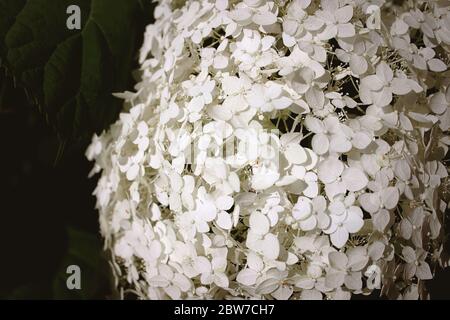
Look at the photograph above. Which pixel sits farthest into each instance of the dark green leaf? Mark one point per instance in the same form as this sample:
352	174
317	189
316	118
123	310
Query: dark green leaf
71	74
8	12
85	251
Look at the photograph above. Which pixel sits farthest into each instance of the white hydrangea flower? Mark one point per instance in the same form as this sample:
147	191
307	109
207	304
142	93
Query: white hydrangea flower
281	150
345	219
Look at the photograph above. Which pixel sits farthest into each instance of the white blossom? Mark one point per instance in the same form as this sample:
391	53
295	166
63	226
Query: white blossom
280	150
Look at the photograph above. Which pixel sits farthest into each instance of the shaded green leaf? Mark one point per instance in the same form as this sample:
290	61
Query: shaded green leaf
71	74
84	251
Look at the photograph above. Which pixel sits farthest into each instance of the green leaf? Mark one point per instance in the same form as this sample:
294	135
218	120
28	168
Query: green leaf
71	74
8	11
84	251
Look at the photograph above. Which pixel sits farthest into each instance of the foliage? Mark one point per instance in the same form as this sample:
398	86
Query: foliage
71	74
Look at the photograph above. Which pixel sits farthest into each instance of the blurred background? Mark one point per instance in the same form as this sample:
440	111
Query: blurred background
47	211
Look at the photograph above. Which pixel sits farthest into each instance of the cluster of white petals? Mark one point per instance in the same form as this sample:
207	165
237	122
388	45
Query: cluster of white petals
335	183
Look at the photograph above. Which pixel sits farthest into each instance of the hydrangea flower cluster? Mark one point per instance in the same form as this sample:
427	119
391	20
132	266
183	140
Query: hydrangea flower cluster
286	149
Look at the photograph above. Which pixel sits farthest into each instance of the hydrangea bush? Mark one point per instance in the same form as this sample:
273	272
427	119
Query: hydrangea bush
287	149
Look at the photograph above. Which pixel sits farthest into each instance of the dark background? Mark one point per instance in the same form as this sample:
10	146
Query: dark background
47	211
48	217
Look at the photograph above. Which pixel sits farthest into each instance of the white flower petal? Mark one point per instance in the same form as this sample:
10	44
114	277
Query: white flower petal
314	125
381	220
302	209
358	64
295	153
400	86
340	143
264	18
283	292
339	237
281	103
247	277
271	246
330	169
383	98
354	179
259	223
370	202
338	260
308	224
346	30
224	202
254	261
423	271
354	222
409	254
224	220
390	197
437	65
438	103
320	143
344	14
384	72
